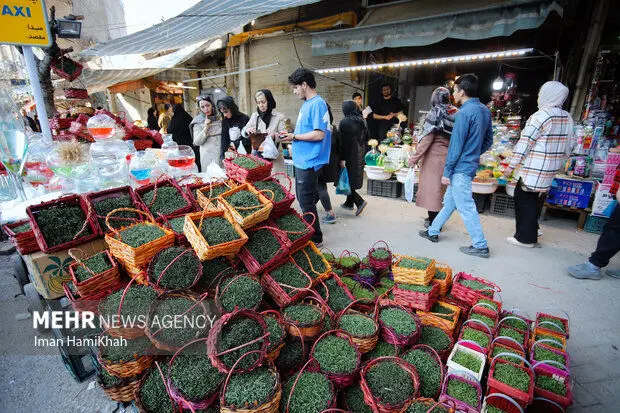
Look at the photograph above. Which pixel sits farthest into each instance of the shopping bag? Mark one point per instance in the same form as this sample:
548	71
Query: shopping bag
268	149
214	172
241	149
409	185
343	188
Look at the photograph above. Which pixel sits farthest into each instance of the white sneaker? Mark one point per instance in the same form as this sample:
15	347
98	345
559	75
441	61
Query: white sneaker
540	233
514	241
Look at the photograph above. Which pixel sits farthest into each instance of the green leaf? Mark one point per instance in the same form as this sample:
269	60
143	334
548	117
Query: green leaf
50	267
55	259
67	262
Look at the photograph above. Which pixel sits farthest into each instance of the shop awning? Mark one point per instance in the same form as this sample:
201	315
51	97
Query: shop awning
204	21
424	22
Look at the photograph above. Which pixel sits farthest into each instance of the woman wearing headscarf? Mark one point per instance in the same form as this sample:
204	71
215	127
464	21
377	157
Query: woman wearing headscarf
179	128
164	118
206	131
266	119
537	157
432	151
151	119
351	151
232	123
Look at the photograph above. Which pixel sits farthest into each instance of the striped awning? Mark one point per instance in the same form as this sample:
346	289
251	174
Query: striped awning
206	20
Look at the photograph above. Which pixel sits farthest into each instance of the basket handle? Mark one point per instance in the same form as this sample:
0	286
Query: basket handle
232	369
512	317
471	342
438	404
548	340
165	381
202	297
510	339
71	253
513	355
87	218
480	322
308	228
487	305
553	323
224	271
560	311
303	250
185	251
544	399
380	241
350	253
516	311
288	403
113	230
503	396
256	340
298	288
552	363
288	179
347	308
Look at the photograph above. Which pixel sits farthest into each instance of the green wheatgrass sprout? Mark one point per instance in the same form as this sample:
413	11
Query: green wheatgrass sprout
422	407
335	355
358	325
167	200
493	409
271	187
181	274
348	262
435	338
329	257
140	234
246	201
365	272
318	265
194	376
60	224
133	349
467	360
217	230
107	380
475	336
179	307
240	292
276	332
555	342
512	376
303	315
487	303
215	191
291	356
382	349
498	348
338	298
428	370
464	392
292	224
247	162
153	393
516	322
354	398
552	323
288	275
238	332
398	320
366	260
98	263
474	285
213	268
136	303
105	206
381	254
312	393
438	309
22	228
250	389
440	274
176	224
550	384
263	245
541	353
514	334
390	383
488	321
414	264
416	288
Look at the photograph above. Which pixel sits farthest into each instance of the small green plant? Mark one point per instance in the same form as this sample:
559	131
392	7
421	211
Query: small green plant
365	273
181	274
20	229
98	263
475	285
429	371
153	393
551	384
554	341
168	199
263	245
498	348
512	376
486	303
303	315
244	202
194	376
213	268
141	234
541	353
476	336
381	254
276	332
176	224
358	290
250	389
311	394
131	349
399	320
552	323
335	355
440	274
488	321
354	398
237	332
390	383
464	392
105	206
467	360
289	275
338	297
329	257
382	349
294	226
107	380
214	191
271	187
415	263
514	334
169	308
240	292
422	407
348	262
136	303
514	322
217	230
291	356
425	289
442	311
310	261
61	224
435	338
247	163
358	325
493	409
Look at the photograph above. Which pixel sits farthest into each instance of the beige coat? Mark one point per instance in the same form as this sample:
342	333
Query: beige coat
431	154
209	139
277	124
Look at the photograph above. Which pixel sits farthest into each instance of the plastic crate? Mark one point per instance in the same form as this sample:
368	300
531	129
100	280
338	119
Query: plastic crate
502	204
415	193
595	224
289	169
389	189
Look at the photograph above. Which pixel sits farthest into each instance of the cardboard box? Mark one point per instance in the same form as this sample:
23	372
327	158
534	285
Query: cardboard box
603	200
48	272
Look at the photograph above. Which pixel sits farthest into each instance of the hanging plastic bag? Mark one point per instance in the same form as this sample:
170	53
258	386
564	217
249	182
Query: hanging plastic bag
409	185
268	149
343	188
241	150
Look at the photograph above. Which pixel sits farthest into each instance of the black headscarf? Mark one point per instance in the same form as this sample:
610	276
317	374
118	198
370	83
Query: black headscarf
151	119
271	105
351	108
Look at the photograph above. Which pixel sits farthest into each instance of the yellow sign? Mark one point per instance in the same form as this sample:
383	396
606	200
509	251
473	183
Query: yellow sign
24	23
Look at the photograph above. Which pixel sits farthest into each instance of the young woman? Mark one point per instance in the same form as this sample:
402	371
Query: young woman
266	119
206	130
232	123
179	128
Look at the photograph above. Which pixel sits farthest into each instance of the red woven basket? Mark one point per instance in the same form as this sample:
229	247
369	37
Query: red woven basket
138	399
461	406
219	291
61	66
252	263
389	335
25	242
306	235
89	303
468	295
377	405
379	264
189	190
282	207
98	282
415	299
556	371
279	295
241	175
340	380
431	351
66	201
501	401
162	183
95	197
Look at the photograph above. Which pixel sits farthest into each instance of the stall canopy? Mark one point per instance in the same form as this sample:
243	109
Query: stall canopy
204	21
424	22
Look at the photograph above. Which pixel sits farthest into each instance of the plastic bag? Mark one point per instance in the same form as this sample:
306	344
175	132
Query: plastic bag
343	187
241	150
214	172
268	148
409	185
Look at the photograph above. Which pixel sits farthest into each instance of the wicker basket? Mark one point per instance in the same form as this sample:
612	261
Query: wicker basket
330	404
252	264
61	64
189	190
151	267
201	246
389	335
152	335
446	283
240	174
340	380
377	405
472	344
308	332
219	291
436	319
138	400
261	214
413	299
126	369
124	392
378	264
179	238
277	347
89	303
275	290
411	275
94	197
65	201
143	254
25	242
468	295
126	332
98	282
352	269
75	93
364	343
204	197
316	276
306	235
465	378
190	207
555	373
282	207
431	351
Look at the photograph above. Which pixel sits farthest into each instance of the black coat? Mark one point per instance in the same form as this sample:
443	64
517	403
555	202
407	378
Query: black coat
179	128
352	146
331	171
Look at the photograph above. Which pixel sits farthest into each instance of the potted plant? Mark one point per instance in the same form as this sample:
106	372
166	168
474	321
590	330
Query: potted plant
481	339
380	257
519	338
553	383
389	383
22	236
541	352
335	293
498	350
238	292
463	390
512	379
174	268
337	357
429	367
104	202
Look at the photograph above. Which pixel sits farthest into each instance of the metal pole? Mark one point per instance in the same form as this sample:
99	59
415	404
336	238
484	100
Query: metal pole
35	84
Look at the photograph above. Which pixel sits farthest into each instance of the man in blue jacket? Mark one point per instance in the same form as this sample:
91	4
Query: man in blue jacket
471	136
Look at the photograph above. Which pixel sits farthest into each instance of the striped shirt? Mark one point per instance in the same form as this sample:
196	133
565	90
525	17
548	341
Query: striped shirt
542	148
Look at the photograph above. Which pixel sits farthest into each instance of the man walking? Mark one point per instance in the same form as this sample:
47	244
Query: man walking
472	135
311	144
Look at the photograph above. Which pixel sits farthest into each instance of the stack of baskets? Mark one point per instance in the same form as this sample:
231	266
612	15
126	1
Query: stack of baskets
412	282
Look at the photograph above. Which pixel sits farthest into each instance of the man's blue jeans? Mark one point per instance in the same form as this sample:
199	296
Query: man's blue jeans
459	196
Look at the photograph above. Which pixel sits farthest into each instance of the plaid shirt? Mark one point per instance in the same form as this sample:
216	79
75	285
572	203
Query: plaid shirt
542	148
